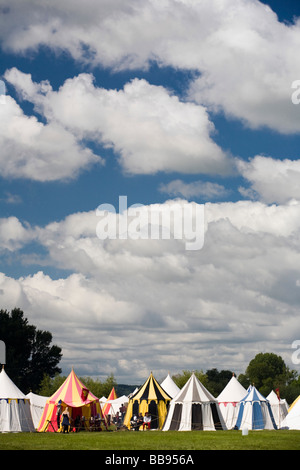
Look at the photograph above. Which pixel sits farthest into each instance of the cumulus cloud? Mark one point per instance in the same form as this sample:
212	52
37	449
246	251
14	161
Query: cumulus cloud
34	150
272	181
188	308
150	129
245	57
203	189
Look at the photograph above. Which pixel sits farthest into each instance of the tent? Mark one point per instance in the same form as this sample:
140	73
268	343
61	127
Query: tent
292	419
149	398
279	408
15	415
194	408
117	403
255	412
229	401
74	395
37	405
106	408
170	386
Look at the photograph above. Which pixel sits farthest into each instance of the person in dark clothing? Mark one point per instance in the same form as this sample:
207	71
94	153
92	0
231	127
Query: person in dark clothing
65	420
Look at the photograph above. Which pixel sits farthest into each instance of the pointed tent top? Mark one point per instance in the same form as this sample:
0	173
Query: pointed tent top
73	392
170	386
112	396
7	387
254	395
194	391
151	390
233	392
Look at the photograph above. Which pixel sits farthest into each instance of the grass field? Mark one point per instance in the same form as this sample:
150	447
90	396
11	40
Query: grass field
153	440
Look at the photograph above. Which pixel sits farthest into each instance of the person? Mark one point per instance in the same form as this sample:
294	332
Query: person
147	421
136	422
77	423
122	410
58	414
66	420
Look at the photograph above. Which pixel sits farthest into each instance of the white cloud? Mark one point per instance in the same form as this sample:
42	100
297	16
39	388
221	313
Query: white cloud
33	150
150	129
246	57
272	181
190	309
203	189
13	234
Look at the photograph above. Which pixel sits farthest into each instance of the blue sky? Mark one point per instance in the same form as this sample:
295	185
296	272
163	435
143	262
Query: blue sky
155	101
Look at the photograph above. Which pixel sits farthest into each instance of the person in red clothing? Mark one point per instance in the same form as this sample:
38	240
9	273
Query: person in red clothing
147	421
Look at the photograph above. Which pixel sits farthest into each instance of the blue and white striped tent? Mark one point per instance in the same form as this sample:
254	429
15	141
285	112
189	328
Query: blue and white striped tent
255	412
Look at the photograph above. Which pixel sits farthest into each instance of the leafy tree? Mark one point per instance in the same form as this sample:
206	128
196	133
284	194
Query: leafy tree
29	353
217	381
267	371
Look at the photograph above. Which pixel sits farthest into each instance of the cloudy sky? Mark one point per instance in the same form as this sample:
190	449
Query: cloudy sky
183	104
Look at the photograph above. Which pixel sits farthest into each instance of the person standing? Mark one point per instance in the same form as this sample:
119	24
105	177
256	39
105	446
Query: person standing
66	420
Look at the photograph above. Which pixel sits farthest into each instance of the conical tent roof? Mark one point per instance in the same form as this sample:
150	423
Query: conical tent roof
193	408
149	398
7	387
255	412
170	386
292	419
73	394
107	406
151	390
233	392
195	392
254	396
279	407
15	415
229	401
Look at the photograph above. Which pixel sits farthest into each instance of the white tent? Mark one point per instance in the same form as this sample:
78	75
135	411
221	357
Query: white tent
15	415
229	401
255	412
116	404
37	405
193	408
292	419
279	408
170	386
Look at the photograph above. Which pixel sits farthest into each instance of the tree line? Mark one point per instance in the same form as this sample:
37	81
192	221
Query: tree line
32	362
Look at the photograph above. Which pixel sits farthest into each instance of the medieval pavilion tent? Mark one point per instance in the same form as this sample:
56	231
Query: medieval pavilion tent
292	419
255	412
170	386
279	407
194	408
150	398
106	408
37	405
229	401
74	395
15	415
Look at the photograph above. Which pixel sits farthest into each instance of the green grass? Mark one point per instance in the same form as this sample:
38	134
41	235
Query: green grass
153	440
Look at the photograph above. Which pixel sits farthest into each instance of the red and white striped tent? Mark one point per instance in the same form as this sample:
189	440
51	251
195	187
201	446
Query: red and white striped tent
74	395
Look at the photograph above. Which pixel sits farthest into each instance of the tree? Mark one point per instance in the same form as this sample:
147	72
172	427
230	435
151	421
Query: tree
217	381
29	353
267	371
